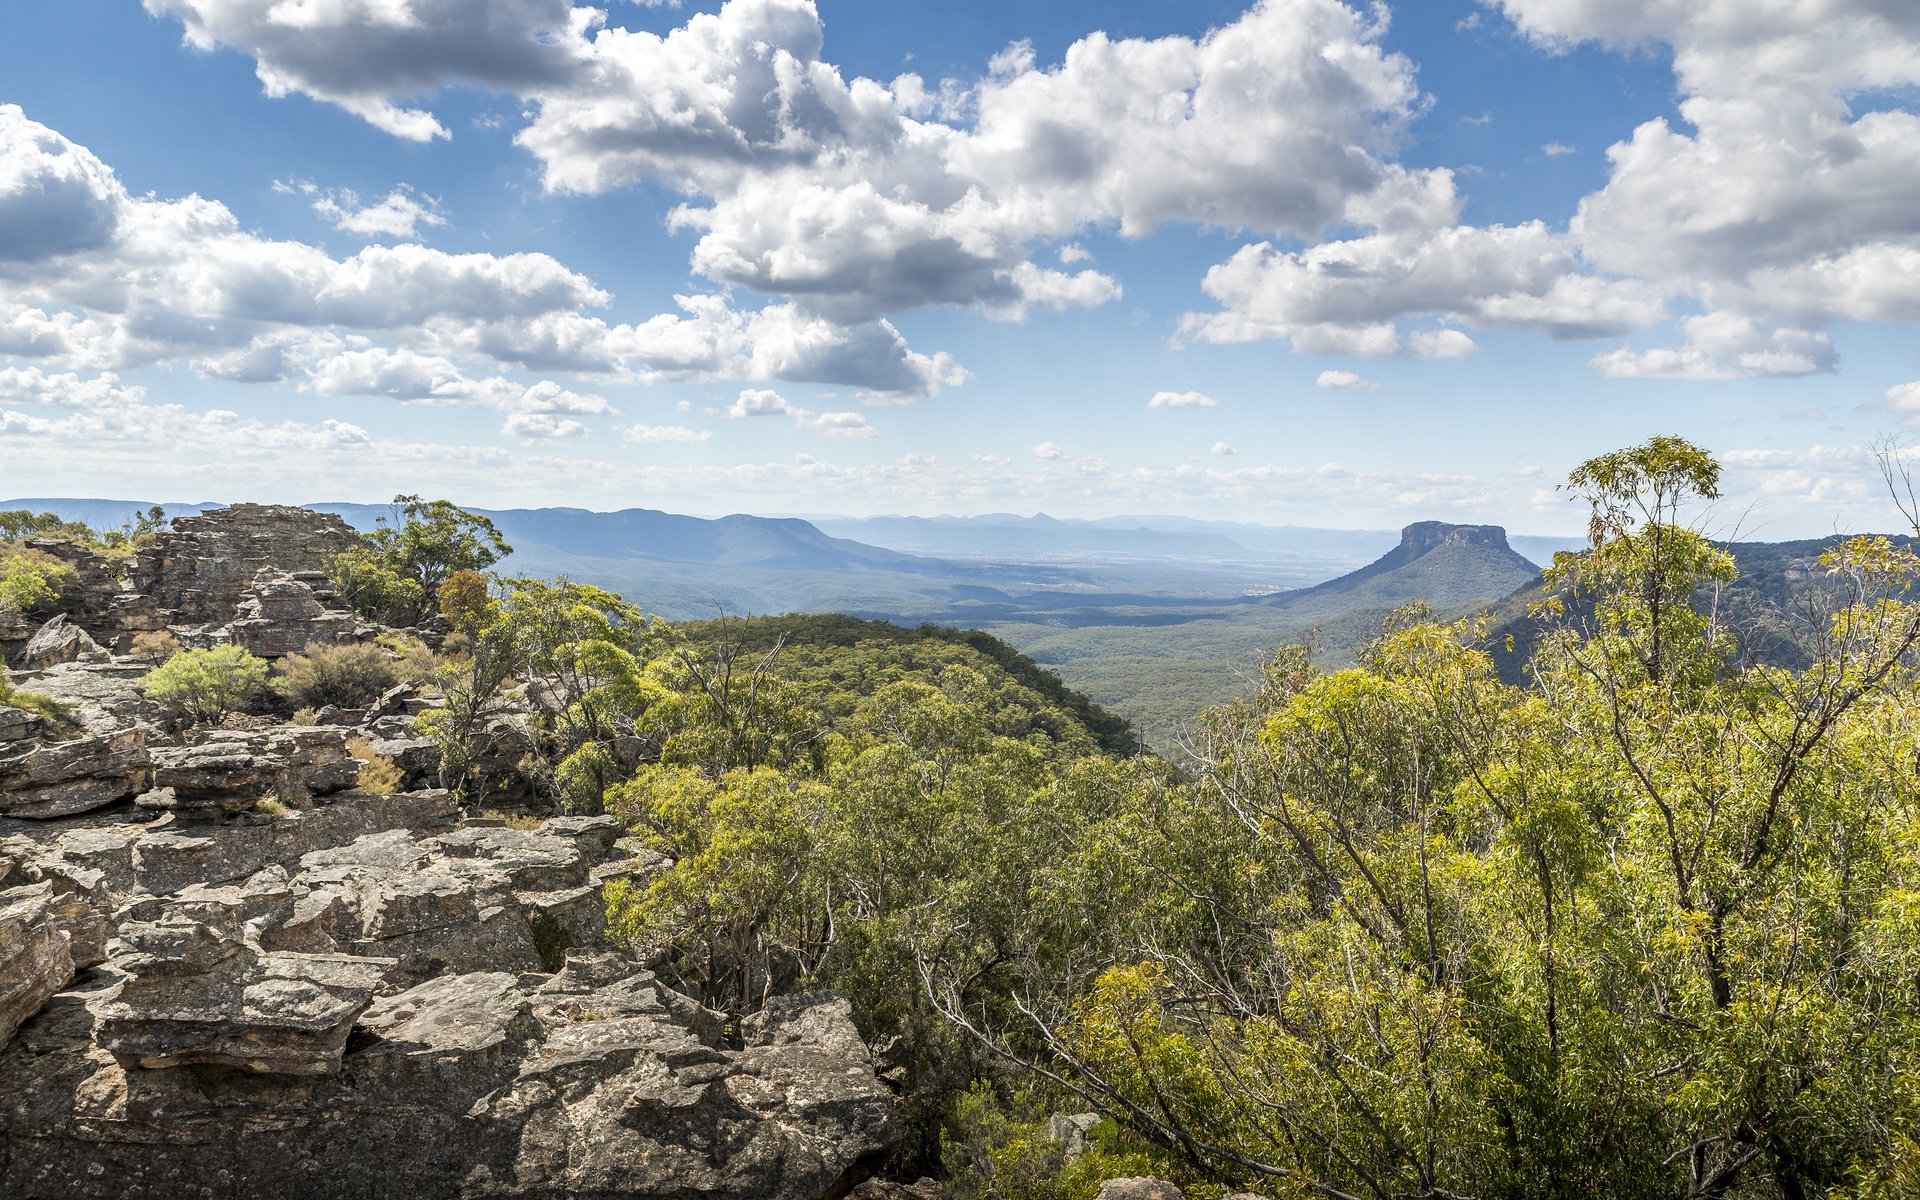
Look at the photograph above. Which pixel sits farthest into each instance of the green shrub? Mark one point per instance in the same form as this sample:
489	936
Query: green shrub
57	717
379	774
351	676
206	685
30	580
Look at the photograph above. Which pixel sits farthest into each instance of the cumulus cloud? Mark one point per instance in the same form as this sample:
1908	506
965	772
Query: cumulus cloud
1221	448
367	56
836	424
399	215
1724	346
1182	400
1346	296
855	198
669	434
1048	451
1904	400
759	402
1441	343
143	281
542	426
31	385
1345	381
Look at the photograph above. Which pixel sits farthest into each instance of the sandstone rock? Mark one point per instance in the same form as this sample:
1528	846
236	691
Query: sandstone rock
104	694
39	780
1140	1187
196	993
347	1002
229	770
36	959
280	615
60	641
200	568
1069	1131
18	724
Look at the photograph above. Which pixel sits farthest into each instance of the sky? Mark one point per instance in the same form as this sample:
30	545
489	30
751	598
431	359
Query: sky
1303	262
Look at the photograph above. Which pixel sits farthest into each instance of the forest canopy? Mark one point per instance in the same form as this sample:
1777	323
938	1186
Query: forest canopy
1645	923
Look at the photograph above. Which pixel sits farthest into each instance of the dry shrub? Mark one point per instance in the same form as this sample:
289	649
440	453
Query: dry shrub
379	774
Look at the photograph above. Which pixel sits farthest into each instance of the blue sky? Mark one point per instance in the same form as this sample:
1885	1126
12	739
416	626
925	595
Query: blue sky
1302	262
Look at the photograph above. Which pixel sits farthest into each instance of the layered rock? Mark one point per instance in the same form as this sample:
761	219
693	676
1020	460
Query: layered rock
197	993
284	613
43	779
59	641
36	959
353	1002
200	569
227	771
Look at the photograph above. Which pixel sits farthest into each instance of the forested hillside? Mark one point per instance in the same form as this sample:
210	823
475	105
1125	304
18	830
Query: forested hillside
1644	926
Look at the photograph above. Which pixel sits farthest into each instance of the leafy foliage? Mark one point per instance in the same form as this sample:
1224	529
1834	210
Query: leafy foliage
205	685
348	676
30	580
396	575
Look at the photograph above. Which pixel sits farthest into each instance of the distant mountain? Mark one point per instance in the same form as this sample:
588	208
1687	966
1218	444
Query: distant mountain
767	543
1448	566
1003	535
542	535
103	514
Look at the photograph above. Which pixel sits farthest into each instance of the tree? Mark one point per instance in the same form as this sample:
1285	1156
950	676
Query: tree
396	574
30	580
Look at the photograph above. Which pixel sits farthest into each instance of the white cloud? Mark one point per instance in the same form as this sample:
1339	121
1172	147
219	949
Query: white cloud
369	55
1182	400
542	426
1345	381
1345	296
31	385
836	424
1724	346
1558	149
1904	400
1048	452
1441	343
399	215
1221	448
759	402
144	281
856	199
670	434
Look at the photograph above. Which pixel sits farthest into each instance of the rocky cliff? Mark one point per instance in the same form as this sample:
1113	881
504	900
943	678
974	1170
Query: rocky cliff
226	971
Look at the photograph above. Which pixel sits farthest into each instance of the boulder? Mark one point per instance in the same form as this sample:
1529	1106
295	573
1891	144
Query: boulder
60	641
1069	1131
197	993
1140	1187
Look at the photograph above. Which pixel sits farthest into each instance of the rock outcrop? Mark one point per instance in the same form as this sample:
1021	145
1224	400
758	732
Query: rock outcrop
230	770
284	613
370	998
1424	535
201	567
40	779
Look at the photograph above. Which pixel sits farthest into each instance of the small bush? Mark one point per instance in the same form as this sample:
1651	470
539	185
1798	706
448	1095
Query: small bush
30	581
351	676
379	774
57	719
304	716
156	647
205	685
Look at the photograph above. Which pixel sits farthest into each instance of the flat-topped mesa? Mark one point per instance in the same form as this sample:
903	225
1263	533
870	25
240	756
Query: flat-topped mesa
1425	535
203	565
